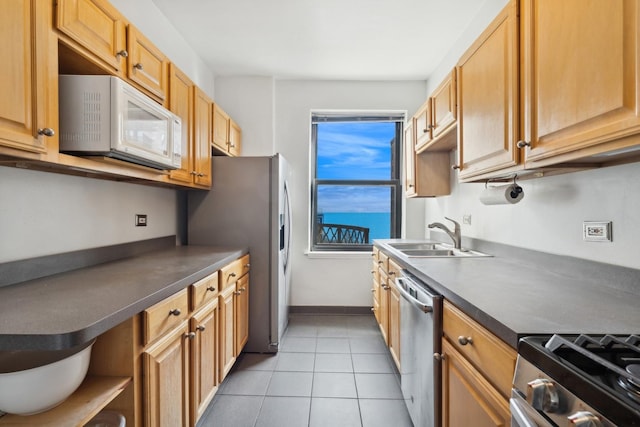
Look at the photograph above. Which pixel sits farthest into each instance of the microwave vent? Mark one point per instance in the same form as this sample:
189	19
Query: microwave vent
91	122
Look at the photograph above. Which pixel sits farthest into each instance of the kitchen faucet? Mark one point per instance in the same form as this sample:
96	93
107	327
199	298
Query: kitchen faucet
455	234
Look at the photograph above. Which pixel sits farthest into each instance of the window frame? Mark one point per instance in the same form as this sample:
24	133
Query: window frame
394	183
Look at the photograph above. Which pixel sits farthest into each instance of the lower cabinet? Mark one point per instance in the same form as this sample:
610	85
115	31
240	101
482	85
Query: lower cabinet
394	323
242	313
227	320
204	358
166	379
386	301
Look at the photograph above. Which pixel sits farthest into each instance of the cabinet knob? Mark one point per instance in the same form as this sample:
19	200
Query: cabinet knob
411	185
232	274
211	288
237	292
427	129
465	340
201	174
46	132
193	173
373	290
243	289
190	335
392	273
522	144
175	312
247	265
200	328
373	309
438	356
386	287
373	272
455	167
122	53
138	66
380	262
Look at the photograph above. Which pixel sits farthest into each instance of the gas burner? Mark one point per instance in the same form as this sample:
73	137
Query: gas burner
631	384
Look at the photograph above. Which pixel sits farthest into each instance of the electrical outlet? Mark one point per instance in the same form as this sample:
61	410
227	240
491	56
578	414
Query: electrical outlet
141	220
466	219
596	231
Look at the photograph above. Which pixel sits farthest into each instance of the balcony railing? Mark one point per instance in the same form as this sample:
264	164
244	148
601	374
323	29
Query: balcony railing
341	233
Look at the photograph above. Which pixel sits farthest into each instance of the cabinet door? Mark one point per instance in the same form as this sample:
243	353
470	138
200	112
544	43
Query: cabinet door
220	128
242	313
235	138
409	162
394	323
488	98
97	26
181	103
422	125
581	77
202	139
443	106
384	307
226	328
147	66
29	83
467	398
166	380
204	359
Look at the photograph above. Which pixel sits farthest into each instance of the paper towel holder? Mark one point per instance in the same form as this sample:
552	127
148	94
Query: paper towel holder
514	191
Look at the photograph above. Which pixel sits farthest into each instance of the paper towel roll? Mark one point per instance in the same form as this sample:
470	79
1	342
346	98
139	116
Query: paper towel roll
502	194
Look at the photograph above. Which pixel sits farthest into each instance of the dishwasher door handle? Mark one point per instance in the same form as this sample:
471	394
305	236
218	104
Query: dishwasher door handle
424	307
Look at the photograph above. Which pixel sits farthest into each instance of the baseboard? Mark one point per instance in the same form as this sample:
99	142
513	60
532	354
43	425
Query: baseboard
328	309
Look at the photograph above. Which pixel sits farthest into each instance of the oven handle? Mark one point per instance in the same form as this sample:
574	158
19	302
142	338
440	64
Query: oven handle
423	307
522	415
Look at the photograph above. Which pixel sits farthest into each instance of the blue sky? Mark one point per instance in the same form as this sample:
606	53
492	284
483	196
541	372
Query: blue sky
359	150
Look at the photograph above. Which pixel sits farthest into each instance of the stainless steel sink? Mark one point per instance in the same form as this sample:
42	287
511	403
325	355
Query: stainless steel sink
434	250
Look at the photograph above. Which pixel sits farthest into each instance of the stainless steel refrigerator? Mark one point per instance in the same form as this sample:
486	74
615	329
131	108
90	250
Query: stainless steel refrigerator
248	206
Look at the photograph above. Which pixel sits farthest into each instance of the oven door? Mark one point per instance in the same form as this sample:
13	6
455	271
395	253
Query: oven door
523	415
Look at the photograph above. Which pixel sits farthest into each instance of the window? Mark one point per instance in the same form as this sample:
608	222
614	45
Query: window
355	180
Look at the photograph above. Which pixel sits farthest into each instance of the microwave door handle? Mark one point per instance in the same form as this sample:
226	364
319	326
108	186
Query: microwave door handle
423	307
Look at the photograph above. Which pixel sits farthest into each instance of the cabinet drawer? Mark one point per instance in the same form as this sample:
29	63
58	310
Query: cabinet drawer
485	351
204	290
383	261
165	315
232	272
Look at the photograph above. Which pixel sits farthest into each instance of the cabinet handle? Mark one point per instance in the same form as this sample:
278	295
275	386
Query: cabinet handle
123	53
465	340
438	356
193	173
428	128
237	292
373	290
211	288
232	274
373	272
392	273
138	66
385	287
522	144
190	335
247	265
455	167
46	132
380	262
411	185
373	309
200	328
243	289
201	175
175	312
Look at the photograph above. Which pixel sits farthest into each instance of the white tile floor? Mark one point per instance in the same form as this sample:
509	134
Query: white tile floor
330	371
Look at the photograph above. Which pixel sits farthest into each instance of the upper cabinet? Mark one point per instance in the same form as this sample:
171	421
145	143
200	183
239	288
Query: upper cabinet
580	78
29	83
146	65
181	104
227	136
549	87
488	98
96	26
443	110
422	125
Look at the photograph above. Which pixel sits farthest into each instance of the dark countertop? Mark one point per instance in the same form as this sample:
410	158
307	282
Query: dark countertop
71	308
519	293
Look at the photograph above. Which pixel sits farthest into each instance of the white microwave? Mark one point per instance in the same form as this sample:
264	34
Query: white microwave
105	116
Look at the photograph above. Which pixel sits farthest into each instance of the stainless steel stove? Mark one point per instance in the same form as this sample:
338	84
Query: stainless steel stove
590	381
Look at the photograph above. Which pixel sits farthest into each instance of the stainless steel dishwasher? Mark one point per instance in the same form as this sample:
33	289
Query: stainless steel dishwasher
420	335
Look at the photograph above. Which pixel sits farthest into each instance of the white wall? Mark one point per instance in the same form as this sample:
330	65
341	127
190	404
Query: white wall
44	213
250	102
338	280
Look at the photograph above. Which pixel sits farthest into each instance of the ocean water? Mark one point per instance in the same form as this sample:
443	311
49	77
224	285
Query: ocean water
378	223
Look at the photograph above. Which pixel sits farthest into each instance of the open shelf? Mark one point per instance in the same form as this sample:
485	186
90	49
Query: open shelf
92	396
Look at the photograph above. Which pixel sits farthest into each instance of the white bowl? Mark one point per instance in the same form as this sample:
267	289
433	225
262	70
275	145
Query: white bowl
36	381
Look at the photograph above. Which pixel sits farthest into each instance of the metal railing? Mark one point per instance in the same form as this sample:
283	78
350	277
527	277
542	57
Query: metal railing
341	233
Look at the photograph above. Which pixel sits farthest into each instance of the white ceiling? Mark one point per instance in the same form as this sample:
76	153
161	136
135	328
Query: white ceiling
327	39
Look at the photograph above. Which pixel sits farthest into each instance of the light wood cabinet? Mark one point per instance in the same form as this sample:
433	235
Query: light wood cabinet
146	65
477	371
227	135
202	139
29	83
488	123
242	313
204	358
166	379
98	28
409	162
467	398
444	112
422	125
580	78
181	104
226	339
394	323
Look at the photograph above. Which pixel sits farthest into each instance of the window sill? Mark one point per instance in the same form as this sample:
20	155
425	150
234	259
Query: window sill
338	254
